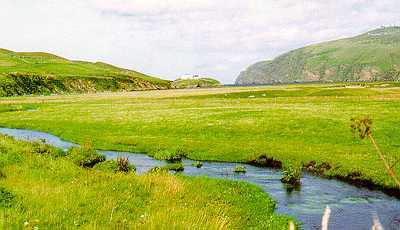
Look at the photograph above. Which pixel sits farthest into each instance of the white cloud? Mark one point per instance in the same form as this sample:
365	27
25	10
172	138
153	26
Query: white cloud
172	37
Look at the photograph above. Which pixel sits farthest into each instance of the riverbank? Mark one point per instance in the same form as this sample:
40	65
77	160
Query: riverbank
349	204
42	188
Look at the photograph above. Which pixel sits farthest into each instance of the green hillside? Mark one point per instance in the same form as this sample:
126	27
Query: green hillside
43	73
373	56
195	83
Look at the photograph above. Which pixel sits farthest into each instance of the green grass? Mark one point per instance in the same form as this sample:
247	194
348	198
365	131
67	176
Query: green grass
291	173
239	169
302	123
177	167
45	190
112	166
197	164
175	155
24	73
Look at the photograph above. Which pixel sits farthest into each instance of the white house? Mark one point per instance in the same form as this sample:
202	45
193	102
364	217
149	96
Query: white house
189	76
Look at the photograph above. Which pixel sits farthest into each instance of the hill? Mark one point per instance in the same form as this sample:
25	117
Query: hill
203	82
43	73
372	56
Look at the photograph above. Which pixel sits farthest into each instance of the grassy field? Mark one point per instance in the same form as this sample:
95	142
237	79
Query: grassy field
305	123
40	188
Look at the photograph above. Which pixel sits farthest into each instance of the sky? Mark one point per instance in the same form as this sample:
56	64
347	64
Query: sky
169	38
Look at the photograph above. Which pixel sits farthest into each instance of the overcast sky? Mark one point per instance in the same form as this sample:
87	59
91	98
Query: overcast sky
168	38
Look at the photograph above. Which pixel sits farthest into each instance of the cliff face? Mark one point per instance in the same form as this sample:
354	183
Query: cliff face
373	56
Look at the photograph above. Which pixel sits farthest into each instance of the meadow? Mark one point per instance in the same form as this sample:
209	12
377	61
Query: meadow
42	188
309	124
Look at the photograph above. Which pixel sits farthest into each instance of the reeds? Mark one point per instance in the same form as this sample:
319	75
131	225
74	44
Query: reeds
123	164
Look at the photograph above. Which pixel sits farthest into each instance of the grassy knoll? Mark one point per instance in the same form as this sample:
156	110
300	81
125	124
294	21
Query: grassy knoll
195	83
305	123
42	188
23	73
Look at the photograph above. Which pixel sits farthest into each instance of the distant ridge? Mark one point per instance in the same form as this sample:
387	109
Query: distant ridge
45	73
372	56
38	54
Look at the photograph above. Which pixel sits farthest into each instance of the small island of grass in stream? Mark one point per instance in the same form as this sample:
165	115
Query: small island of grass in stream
239	169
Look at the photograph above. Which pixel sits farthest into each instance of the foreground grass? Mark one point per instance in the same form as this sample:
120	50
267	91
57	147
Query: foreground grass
46	190
305	123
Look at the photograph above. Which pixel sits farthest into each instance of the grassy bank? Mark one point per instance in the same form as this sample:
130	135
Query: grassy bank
39	187
306	123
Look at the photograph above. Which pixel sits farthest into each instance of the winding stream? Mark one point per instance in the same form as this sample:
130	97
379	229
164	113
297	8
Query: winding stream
352	207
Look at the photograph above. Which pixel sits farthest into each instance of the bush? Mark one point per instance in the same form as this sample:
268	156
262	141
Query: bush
239	169
197	164
113	166
124	165
170	156
29	83
85	156
291	173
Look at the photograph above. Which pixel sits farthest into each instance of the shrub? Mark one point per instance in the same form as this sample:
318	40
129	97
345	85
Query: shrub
85	156
113	166
45	149
197	164
291	173
170	156
239	169
124	165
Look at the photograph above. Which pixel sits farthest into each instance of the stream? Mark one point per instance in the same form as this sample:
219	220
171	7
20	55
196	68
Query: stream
351	207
